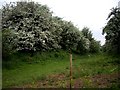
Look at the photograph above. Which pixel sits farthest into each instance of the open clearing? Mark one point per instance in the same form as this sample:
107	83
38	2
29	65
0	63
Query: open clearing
89	71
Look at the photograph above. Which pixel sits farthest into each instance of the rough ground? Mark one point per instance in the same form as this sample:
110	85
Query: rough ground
62	80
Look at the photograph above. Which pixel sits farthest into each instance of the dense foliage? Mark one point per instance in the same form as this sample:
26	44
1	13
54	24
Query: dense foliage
94	46
112	31
30	27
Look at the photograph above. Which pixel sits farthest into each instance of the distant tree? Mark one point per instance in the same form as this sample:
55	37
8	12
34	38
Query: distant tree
87	33
83	45
94	46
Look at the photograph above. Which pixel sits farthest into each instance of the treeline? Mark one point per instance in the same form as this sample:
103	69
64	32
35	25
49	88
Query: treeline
31	27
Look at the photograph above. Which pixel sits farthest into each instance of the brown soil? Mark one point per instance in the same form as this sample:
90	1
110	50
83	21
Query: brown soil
61	80
98	81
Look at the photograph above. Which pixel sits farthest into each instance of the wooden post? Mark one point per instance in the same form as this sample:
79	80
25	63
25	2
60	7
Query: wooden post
70	70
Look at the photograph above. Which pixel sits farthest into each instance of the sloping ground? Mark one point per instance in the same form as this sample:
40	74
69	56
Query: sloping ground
97	70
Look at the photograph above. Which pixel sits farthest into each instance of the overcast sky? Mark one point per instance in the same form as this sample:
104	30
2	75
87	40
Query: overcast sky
90	13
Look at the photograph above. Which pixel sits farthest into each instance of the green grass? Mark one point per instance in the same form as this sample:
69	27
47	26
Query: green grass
28	69
95	64
34	69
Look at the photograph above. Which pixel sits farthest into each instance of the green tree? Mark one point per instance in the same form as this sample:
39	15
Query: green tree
94	46
87	33
8	44
112	31
83	45
70	36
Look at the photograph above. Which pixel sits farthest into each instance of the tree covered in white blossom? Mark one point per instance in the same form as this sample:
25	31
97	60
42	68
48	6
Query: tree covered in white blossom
29	26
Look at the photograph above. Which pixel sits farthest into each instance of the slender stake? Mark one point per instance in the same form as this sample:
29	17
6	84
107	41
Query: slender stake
70	70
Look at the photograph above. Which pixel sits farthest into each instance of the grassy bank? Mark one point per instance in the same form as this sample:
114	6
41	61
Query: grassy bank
30	70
